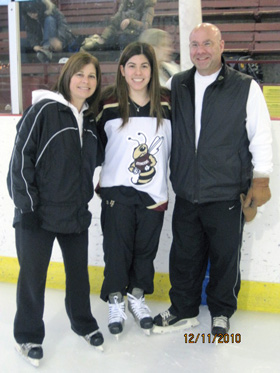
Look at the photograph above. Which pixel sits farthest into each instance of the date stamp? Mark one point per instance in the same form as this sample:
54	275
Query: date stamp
209	338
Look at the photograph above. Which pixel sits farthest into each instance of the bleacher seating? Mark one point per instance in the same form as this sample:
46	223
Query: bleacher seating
248	27
81	12
3	17
221	9
252	38
254	35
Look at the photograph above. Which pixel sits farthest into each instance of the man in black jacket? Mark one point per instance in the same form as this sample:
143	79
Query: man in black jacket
220	164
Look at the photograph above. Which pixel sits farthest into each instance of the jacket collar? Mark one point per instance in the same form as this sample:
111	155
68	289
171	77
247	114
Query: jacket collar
189	77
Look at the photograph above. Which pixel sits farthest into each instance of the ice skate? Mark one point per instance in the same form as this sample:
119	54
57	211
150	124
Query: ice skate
117	314
95	339
220	325
139	310
31	352
165	322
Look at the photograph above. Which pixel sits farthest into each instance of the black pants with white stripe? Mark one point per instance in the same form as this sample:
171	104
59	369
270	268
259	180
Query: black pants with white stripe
131	238
201	232
34	249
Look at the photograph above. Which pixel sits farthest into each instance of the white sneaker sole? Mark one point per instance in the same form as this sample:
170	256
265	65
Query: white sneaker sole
180	325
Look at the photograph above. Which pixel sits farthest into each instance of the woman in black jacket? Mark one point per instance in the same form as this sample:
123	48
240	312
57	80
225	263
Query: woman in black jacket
50	181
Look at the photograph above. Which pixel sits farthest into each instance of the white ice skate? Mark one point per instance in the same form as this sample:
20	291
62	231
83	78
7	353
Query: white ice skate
117	314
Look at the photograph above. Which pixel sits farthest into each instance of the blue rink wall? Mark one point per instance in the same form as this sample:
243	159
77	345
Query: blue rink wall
260	257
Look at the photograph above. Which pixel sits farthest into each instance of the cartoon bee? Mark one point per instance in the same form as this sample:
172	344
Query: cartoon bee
143	166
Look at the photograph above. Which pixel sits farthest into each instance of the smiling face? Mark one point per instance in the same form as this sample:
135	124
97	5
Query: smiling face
82	85
137	73
206	48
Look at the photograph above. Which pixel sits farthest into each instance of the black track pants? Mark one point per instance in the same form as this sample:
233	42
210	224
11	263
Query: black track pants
131	238
34	250
201	232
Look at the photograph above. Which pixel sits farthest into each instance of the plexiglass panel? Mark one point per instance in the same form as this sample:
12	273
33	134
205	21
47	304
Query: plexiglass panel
5	96
51	31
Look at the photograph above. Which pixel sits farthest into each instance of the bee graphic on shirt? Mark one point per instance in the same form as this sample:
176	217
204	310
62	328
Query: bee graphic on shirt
143	166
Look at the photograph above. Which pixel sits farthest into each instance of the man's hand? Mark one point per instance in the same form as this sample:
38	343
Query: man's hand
249	212
259	192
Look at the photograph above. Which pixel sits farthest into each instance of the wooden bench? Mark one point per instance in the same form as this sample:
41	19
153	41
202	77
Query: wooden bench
100	12
4	42
166	8
255	9
267	38
222	8
77	12
3	17
43	76
239	38
251	38
269	7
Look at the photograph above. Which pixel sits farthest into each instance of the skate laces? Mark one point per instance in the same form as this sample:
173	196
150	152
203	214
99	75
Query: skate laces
220	321
88	336
29	346
165	315
116	311
138	307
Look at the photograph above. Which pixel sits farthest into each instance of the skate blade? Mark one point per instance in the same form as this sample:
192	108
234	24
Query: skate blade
34	362
147	332
180	325
99	348
117	336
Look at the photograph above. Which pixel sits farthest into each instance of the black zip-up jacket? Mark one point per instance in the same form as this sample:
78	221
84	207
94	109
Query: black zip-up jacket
220	168
50	172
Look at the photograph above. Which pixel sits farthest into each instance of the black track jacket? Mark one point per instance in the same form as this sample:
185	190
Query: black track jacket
50	172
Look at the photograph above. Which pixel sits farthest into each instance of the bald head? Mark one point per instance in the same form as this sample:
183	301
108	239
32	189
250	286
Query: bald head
208	28
206	48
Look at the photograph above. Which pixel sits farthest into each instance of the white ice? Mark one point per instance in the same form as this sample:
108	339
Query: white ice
134	352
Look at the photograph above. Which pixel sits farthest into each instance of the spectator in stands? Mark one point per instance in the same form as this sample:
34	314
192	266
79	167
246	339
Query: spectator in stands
50	181
162	44
133	17
221	149
46	28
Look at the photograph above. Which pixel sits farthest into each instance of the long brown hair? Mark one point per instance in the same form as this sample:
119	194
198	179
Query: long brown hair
120	89
75	63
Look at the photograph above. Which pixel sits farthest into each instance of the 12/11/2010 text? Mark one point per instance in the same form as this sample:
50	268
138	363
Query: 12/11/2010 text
209	338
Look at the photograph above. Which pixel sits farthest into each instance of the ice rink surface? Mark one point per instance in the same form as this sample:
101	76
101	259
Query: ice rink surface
253	346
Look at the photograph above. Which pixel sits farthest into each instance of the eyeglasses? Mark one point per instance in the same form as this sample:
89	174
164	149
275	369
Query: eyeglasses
205	44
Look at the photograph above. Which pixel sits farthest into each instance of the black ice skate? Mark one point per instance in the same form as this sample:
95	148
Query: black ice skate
139	310
166	322
31	352
220	325
95	339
